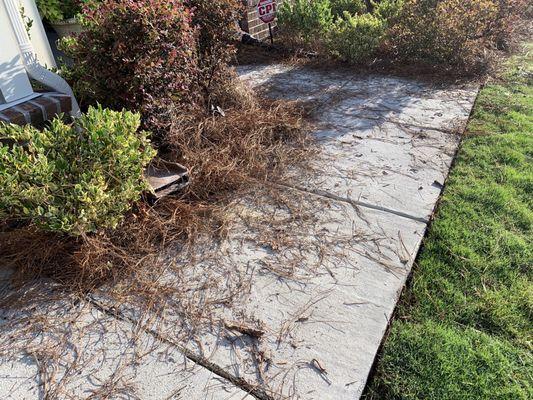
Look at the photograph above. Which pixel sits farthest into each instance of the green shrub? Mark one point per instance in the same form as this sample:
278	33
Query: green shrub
309	19
387	9
511	17
351	30
59	10
73	178
453	35
355	38
215	22
157	57
352	6
50	10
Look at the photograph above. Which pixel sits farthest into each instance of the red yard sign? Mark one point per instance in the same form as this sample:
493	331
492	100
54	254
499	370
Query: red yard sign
266	9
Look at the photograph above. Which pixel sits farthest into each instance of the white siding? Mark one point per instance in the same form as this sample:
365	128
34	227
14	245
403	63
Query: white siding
14	82
38	35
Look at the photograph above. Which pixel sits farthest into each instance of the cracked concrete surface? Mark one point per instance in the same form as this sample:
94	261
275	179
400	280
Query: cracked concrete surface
386	145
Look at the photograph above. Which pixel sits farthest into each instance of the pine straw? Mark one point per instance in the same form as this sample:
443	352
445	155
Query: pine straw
84	263
141	264
251	145
255	142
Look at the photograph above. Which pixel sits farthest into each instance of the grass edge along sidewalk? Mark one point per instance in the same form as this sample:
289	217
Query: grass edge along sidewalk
463	326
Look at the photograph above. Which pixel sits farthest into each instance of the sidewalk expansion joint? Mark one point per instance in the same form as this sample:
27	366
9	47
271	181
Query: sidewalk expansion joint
355	203
448	131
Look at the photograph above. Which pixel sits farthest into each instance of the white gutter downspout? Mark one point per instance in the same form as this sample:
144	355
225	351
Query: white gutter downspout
33	68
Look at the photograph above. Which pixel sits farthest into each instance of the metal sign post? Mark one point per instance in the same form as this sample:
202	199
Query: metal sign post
266	10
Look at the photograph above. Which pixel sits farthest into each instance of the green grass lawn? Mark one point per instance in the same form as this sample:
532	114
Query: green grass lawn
464	328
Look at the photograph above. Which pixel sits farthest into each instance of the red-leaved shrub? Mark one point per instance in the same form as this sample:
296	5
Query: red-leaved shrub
511	17
216	23
137	54
157	57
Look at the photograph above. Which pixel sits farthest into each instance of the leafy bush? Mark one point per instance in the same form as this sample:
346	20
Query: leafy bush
451	33
511	14
338	7
387	9
352	29
73	178
139	55
156	57
215	24
446	34
355	38
59	10
307	18
50	10
215	21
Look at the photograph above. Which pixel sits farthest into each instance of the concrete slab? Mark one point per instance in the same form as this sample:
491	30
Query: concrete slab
432	105
317	290
351	265
336	319
59	349
386	142
295	301
390	167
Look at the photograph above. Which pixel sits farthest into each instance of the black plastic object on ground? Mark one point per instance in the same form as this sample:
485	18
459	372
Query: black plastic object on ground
166	178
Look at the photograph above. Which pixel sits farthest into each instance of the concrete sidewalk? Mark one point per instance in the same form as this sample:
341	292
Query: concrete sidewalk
318	284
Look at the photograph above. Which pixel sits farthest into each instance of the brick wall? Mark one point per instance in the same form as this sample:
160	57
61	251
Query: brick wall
252	24
38	110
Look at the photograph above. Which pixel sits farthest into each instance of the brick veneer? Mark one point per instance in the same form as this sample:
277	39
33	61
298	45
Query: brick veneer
37	110
252	24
